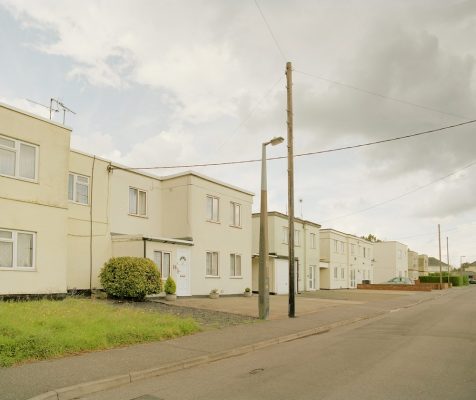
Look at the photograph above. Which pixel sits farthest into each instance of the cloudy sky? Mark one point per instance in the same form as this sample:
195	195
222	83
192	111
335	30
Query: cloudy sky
160	83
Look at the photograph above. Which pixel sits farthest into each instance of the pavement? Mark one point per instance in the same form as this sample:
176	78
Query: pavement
317	313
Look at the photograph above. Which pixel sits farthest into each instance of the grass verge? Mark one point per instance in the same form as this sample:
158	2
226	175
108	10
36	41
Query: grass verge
39	330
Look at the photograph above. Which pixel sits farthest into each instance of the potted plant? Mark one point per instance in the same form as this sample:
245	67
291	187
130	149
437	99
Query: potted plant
170	289
214	294
248	292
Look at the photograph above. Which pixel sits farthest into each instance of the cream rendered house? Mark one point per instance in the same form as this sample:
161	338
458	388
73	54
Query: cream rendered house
413	272
64	213
33	203
346	260
306	253
423	264
391	260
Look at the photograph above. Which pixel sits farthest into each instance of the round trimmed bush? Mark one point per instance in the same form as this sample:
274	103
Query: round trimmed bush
170	287
130	277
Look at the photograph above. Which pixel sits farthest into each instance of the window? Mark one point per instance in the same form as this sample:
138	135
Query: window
78	188
137	202
212	263
342	273
364	251
313	240
342	247
235	214
17	249
285	235
235	265
335	272
297	238
352	249
212	209
162	259
335	246
18	159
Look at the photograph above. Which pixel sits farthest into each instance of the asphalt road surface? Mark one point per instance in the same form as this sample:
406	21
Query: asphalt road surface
424	352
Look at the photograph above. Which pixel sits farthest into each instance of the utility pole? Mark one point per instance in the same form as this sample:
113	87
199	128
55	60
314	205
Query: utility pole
448	259
289	86
439	247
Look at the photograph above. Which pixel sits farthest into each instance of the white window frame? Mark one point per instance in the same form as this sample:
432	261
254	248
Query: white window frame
312	237
285	235
16	150
297	238
342	273
335	272
74	199
161	254
209	269
138	192
235	257
14	241
215	204
335	246
235	220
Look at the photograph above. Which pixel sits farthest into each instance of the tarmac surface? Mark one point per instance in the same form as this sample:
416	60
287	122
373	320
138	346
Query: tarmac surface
315	314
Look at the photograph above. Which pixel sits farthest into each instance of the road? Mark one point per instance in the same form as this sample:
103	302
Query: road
424	352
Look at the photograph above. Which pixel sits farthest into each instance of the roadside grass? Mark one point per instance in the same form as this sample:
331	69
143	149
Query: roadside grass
39	330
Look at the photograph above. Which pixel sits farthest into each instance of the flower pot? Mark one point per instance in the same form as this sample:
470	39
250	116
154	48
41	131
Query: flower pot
170	297
248	294
214	295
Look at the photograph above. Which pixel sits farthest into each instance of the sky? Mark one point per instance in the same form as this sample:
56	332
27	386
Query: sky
167	83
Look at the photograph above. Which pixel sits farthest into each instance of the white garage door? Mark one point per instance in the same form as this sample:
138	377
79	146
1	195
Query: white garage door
281	274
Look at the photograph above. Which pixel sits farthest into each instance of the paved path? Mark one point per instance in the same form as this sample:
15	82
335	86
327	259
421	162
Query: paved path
25	381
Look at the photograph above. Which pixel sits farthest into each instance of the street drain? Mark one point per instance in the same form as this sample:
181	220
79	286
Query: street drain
256	371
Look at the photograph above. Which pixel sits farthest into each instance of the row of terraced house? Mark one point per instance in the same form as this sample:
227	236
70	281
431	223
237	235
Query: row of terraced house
64	213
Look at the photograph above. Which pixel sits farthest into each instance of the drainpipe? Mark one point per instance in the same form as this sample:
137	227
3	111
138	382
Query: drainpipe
91	230
145	246
305	266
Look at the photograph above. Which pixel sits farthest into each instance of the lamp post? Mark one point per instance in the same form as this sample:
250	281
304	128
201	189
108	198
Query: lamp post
263	301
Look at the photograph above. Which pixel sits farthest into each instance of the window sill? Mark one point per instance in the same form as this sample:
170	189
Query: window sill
16	269
236	277
213	222
138	216
212	277
236	226
78	203
19	178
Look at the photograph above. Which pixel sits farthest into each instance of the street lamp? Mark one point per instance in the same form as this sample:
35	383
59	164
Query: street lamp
263	302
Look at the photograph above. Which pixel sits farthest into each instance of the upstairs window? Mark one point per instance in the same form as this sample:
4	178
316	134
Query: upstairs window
18	159
212	209
78	188
137	202
235	214
17	249
285	235
313	240
297	238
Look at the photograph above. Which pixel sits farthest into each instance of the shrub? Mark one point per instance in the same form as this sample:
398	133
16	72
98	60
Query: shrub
170	286
130	277
456	280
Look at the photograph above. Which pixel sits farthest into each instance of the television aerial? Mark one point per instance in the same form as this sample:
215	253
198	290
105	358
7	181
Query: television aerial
55	106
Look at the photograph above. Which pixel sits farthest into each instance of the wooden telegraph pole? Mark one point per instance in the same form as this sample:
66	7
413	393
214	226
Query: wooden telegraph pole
439	247
289	86
448	259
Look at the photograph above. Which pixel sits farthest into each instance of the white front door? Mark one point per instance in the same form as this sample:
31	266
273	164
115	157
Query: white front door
352	278
183	272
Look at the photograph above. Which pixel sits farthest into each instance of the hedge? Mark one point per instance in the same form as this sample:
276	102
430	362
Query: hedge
454	280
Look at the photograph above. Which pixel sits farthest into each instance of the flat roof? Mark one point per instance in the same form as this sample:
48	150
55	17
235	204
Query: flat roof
346	234
282	215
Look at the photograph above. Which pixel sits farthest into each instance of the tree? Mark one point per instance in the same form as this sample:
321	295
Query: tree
371	238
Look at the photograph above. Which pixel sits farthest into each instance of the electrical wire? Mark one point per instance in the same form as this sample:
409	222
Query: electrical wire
436	130
271	32
372	93
401	195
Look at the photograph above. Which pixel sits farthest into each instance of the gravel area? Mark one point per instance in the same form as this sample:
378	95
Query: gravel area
208	319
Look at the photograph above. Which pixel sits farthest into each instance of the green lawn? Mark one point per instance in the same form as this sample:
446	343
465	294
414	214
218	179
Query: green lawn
37	330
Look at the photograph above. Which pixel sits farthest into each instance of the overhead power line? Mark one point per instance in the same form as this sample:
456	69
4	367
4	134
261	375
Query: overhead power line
383	96
271	32
401	195
436	130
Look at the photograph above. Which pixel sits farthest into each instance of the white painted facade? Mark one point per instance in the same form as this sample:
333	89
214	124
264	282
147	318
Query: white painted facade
346	260
74	211
306	253
391	260
413	272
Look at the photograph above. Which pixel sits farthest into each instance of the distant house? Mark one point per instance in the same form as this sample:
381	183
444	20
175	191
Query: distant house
391	260
413	271
64	213
306	253
423	265
346	260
